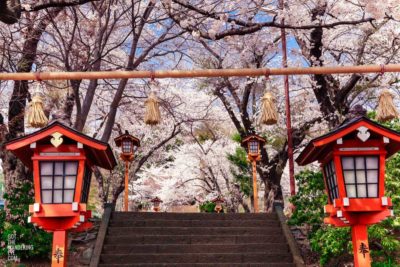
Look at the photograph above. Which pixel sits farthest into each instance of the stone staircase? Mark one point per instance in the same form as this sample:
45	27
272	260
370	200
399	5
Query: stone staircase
194	239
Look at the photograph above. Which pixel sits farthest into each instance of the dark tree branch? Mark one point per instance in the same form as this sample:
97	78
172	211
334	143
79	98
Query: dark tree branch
248	27
56	3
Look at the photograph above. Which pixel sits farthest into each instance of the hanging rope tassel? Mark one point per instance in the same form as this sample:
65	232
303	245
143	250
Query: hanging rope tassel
35	114
269	114
153	115
386	109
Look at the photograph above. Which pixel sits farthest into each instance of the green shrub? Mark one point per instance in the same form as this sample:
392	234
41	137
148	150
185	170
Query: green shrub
207	206
15	223
330	242
241	173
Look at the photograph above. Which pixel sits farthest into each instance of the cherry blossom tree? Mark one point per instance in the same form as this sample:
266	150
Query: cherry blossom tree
173	34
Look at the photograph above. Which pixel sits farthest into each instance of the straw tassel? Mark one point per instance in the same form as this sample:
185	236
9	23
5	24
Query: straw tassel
35	114
153	115
269	114
386	109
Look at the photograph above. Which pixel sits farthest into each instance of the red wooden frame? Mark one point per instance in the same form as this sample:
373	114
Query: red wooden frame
74	146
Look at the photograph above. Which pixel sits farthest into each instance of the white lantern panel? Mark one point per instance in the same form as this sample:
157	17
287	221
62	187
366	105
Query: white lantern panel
362	190
360	177
68	196
58	182
57	198
46	197
47	182
127	146
372	162
348	163
373	190
46	168
59	168
360	163
71	168
349	177
253	147
372	176
351	190
70	182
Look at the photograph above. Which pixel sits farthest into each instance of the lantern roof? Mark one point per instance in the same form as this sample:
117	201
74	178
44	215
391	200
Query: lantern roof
253	137
99	153
156	199
126	135
352	129
218	199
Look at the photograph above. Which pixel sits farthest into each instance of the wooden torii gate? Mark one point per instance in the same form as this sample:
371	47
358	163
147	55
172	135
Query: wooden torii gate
243	72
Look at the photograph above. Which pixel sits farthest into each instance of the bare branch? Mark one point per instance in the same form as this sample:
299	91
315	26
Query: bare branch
55	3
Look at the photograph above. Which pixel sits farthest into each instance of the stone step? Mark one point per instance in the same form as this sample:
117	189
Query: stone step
198	258
193	239
193	248
194	223
230	264
116	216
217	231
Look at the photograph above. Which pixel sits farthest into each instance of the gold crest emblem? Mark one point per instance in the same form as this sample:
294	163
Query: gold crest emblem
56	140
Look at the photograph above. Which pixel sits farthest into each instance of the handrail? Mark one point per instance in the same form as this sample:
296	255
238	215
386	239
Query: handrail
95	259
294	249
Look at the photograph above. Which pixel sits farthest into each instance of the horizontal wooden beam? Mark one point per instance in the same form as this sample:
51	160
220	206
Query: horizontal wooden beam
198	73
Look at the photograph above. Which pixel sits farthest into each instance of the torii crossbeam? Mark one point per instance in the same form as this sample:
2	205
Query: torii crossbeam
160	74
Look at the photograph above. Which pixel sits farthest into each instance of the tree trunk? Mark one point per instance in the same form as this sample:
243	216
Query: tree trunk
14	170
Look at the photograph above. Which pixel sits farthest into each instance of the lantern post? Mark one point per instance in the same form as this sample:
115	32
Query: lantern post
127	143
218	203
62	161
352	159
253	145
156	204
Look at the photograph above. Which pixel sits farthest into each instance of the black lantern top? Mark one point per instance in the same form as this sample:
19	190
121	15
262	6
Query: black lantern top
127	142
218	200
156	200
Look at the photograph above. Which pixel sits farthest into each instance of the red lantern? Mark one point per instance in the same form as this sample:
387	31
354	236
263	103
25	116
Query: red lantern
127	142
352	159
62	160
218	203
253	144
156	203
